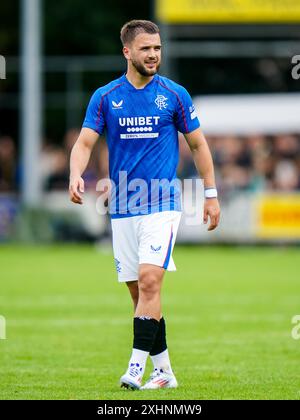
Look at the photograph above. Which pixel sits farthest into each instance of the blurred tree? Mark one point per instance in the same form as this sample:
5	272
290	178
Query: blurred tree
70	27
9	28
76	27
92	27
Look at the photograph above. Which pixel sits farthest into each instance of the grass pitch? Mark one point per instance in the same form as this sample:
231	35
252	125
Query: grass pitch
228	313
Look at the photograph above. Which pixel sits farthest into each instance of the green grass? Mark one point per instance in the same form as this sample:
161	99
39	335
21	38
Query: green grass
228	312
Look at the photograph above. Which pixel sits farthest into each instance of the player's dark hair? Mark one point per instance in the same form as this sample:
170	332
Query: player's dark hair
134	27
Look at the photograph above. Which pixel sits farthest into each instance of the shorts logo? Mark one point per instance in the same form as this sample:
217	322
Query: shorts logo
118	265
155	249
117	106
160	101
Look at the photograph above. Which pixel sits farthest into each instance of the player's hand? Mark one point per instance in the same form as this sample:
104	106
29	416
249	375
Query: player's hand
76	189
212	211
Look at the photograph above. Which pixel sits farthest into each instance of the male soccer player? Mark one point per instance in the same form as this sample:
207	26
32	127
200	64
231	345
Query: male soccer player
141	114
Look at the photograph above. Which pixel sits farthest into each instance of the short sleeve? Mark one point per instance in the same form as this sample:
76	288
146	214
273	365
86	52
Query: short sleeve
186	118
94	117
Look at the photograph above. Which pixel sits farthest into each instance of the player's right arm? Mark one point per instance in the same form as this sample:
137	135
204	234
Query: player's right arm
79	159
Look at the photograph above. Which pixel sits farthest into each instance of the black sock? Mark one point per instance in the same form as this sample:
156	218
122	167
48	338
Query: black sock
160	342
144	332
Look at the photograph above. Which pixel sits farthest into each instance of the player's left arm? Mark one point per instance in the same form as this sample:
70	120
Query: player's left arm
205	167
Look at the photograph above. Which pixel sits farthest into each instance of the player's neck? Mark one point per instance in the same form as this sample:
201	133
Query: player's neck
137	80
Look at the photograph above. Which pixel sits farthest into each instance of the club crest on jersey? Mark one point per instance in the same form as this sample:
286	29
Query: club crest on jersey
117	106
160	101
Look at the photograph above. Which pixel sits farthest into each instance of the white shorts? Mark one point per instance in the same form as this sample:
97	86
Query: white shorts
146	239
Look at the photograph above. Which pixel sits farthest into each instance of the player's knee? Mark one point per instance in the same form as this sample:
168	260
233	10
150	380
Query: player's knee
148	284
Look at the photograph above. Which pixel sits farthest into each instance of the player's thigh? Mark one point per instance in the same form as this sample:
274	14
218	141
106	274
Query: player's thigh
125	248
157	237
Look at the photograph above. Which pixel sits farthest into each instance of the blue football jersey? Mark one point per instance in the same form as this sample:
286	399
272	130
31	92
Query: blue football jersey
141	129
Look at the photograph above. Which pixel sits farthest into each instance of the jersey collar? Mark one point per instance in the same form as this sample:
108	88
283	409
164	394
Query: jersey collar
134	89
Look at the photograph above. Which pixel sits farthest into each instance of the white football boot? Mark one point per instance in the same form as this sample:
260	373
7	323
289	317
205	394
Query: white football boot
132	379
161	378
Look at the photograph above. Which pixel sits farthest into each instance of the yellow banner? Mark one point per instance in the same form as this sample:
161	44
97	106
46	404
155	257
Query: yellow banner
278	216
227	11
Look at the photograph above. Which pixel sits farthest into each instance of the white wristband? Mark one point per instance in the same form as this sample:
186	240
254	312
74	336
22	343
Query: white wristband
210	192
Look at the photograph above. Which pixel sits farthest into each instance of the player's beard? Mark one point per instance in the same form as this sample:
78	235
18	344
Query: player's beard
143	70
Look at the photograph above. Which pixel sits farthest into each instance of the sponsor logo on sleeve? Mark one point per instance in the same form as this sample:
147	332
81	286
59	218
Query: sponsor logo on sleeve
193	113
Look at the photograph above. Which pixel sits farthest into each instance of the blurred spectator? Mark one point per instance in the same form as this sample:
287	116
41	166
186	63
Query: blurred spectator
47	160
249	163
235	177
58	176
286	146
55	164
8	164
253	163
286	177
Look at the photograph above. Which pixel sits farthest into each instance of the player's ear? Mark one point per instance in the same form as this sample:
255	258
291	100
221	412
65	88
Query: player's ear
126	52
